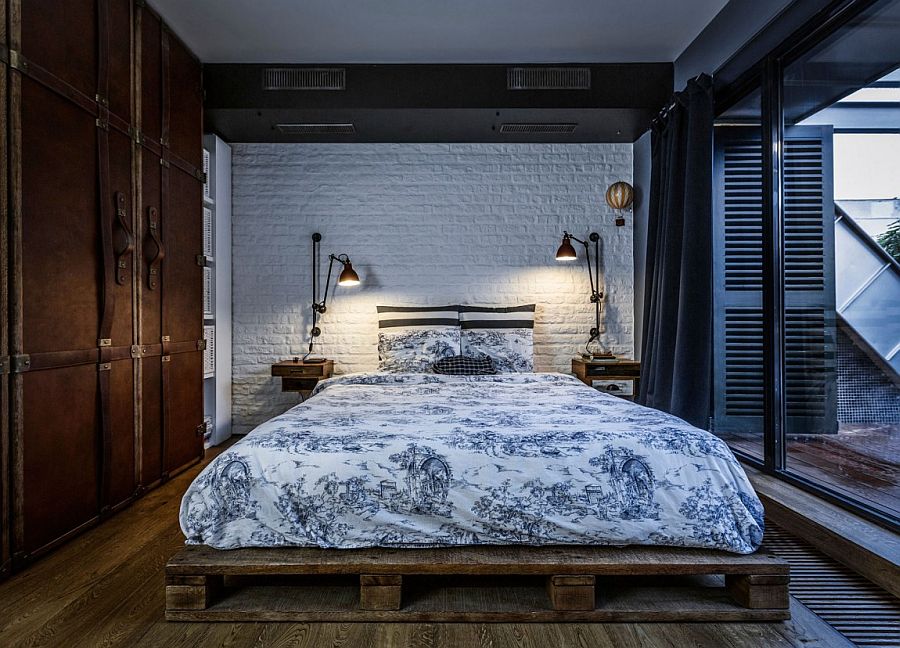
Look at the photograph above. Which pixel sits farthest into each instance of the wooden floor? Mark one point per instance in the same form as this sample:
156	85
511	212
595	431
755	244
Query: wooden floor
105	588
862	460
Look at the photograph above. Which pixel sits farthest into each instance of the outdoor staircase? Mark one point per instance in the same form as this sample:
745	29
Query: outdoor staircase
867	287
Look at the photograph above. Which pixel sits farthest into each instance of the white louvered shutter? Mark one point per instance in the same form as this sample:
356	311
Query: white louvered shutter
208	301
207	189
208	232
209	355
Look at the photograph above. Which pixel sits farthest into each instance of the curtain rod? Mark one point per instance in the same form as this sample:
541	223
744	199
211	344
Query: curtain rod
664	111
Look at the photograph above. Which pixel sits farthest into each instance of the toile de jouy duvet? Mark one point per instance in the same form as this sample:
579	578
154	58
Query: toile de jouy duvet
415	460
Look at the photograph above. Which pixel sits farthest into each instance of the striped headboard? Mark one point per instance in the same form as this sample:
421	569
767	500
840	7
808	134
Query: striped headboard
487	317
409	316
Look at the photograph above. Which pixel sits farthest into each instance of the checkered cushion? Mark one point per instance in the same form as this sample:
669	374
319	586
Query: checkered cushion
464	366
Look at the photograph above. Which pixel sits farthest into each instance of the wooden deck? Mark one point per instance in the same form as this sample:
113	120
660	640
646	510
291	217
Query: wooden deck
105	588
861	460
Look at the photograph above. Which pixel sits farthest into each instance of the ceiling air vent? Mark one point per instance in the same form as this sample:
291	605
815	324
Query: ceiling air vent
548	78
299	78
315	129
538	128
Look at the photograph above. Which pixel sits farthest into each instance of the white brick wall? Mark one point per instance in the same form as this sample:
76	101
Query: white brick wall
423	224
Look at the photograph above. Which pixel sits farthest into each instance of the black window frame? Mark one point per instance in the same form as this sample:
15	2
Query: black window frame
766	75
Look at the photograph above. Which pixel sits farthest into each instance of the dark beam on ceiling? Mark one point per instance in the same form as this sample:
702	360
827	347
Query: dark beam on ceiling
435	103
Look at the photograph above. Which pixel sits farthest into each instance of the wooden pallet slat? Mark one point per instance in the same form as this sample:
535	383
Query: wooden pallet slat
523	560
759	591
191	592
380	592
442	585
572	592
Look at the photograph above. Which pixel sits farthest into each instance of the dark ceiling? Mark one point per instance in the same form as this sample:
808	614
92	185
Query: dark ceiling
436	103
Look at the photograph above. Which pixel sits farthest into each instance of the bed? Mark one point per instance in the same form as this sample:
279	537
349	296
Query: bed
425	460
394	496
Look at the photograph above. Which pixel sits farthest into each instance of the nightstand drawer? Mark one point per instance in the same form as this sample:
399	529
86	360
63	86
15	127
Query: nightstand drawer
614	387
620	378
302	377
612	369
301	370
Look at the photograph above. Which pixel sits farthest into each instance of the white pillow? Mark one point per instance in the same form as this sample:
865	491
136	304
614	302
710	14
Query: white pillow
413	338
503	334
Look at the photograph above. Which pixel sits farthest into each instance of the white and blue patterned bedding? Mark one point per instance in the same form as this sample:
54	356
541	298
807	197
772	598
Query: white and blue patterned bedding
427	460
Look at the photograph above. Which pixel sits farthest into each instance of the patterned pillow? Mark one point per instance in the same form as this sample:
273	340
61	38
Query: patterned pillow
413	338
465	366
502	334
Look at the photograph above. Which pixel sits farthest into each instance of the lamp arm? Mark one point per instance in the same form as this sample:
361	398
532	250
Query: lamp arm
313	332
331	259
315	267
314	329
318	306
587	251
594	276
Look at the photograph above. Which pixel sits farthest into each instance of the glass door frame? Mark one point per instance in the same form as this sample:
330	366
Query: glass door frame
766	75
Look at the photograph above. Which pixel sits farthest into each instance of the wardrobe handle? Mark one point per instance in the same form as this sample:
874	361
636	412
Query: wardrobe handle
122	222
153	219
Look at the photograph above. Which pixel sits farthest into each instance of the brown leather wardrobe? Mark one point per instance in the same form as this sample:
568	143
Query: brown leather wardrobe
100	287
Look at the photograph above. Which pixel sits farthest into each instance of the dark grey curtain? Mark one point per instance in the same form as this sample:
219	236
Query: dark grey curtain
676	354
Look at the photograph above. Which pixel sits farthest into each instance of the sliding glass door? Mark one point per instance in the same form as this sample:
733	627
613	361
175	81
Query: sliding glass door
809	352
843	93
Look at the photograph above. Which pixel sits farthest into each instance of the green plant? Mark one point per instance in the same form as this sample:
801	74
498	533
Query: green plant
890	240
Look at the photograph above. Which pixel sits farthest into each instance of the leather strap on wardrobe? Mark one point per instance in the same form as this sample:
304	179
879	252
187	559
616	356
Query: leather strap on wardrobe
165	348
165	50
154	227
189	346
52	82
64	89
122	221
151	145
185	166
108	207
165	359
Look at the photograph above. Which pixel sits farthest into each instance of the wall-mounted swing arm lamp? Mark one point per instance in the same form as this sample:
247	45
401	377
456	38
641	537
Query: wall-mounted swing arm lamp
348	277
567	252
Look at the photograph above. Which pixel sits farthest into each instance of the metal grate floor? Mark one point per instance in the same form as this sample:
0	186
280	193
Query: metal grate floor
861	611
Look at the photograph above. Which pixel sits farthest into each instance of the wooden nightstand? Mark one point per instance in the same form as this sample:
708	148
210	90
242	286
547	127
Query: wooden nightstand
621	378
300	376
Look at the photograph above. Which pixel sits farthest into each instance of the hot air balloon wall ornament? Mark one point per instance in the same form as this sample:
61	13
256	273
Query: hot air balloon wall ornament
619	196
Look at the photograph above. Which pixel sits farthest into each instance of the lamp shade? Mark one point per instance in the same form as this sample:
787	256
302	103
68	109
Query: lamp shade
348	276
619	195
566	251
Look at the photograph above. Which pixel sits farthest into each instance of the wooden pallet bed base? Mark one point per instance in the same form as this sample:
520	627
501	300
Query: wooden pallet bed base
475	584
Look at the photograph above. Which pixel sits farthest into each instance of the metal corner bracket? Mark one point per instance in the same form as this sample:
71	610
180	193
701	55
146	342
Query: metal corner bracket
17	61
20	363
